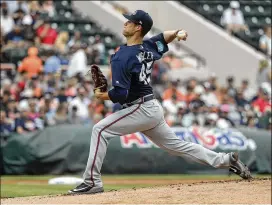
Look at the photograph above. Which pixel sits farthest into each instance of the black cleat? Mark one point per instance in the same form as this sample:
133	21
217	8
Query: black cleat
86	189
237	167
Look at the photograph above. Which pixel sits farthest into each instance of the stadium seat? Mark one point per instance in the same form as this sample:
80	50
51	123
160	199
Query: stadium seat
257	15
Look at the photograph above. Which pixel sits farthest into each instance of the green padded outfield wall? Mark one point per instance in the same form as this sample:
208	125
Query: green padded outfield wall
64	149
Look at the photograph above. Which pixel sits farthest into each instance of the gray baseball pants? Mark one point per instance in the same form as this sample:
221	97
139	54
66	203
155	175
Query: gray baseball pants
147	118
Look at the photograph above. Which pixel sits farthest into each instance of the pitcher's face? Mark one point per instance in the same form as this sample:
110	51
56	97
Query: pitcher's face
130	28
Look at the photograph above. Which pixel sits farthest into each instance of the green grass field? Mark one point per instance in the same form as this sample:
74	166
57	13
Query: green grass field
20	186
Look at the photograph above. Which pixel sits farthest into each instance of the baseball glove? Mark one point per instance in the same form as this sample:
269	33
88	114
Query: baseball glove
100	81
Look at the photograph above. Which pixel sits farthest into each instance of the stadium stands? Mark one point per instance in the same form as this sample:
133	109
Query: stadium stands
257	16
35	96
66	18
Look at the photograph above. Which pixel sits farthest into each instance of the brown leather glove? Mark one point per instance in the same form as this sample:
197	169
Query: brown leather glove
100	81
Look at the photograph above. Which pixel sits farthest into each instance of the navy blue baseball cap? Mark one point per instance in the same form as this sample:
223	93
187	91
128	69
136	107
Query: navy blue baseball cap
142	18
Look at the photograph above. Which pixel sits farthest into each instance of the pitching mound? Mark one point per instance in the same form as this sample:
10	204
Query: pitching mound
257	191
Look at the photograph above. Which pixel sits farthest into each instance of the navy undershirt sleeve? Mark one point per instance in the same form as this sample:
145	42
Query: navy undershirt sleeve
118	94
158	43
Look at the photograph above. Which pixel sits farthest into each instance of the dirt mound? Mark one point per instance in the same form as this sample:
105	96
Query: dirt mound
257	191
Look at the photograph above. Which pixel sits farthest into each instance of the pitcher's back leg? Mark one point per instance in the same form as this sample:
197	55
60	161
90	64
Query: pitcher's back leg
164	137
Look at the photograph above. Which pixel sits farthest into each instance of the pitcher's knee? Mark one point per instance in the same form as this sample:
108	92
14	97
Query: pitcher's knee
97	128
98	133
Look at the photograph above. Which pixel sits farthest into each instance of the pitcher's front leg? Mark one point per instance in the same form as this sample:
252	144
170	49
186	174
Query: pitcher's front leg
119	123
98	149
92	178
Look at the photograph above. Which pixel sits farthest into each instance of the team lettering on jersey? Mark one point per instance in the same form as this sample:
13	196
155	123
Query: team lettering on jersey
146	59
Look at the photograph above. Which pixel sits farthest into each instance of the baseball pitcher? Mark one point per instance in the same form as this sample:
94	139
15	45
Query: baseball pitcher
131	73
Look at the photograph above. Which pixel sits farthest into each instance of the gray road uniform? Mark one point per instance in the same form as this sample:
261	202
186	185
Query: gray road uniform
131	70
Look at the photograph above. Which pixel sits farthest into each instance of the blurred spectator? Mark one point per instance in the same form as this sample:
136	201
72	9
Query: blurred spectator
50	105
229	108
240	100
265	40
52	63
264	72
71	87
29	32
3	57
197	102
251	122
48	7
61	116
97	108
171	91
98	50
209	97
81	102
213	82
46	36
233	18
6	84
211	120
262	103
5	97
62	98
33	109
193	117
37	21
12	110
35	85
190	90
266	87
18	17
264	121
34	6
230	86
16	5
32	64
15	36
224	121
196	114
27	19
73	116
248	92
61	42
7	22
75	40
199	91
6	125
52	82
23	123
171	108
181	111
78	61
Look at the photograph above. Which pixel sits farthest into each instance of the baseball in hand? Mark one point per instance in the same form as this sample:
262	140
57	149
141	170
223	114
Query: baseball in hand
181	35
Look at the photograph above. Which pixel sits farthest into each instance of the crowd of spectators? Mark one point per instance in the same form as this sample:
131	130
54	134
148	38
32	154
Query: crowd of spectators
40	98
208	104
26	24
40	93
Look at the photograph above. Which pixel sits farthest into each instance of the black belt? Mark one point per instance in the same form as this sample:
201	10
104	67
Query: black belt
139	101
